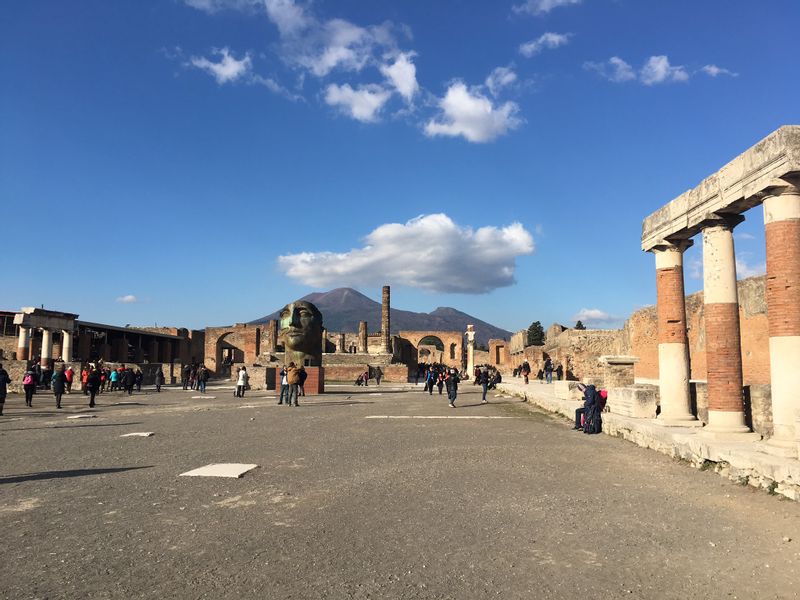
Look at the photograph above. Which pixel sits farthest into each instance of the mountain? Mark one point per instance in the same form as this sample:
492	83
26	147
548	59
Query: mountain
343	308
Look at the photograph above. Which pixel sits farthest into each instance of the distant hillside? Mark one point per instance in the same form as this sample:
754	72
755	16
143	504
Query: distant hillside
343	308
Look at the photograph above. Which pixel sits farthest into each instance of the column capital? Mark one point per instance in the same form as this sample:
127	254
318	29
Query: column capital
724	220
672	246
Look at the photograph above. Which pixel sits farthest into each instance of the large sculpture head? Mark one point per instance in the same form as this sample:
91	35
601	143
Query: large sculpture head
301	332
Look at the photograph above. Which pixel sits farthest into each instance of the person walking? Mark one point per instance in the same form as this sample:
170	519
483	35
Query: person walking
70	375
548	370
440	381
84	379
483	379
284	386
451	379
128	380
526	371
187	370
430	380
139	378
159	379
93	385
202	379
241	382
293	378
29	385
114	378
301	383
58	383
4	381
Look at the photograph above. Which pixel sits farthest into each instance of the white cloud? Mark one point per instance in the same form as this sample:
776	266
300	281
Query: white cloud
227	70
440	246
744	269
212	6
715	71
546	40
363	104
129	299
276	88
695	268
288	17
594	317
403	75
470	114
614	69
743	236
500	78
658	70
540	7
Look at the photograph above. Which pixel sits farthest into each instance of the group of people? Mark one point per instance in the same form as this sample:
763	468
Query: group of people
293	380
589	417
544	375
440	377
195	376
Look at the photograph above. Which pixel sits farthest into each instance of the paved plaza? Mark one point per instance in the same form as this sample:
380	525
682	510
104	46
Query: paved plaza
367	493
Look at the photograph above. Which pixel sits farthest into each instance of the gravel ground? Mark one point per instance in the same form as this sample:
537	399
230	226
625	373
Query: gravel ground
344	506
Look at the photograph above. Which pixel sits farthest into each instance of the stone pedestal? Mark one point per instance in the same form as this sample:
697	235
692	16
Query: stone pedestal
618	371
637	401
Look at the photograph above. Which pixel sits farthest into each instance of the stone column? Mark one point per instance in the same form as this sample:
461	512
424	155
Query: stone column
340	346
47	347
362	337
272	334
153	351
22	343
66	345
723	343
673	341
324	340
386	345
470	350
782	225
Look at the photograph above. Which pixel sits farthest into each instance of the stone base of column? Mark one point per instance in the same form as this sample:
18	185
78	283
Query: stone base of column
787	449
688	420
22	353
728	426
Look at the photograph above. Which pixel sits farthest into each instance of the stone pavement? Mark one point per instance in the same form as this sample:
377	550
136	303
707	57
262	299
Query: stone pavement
348	504
743	462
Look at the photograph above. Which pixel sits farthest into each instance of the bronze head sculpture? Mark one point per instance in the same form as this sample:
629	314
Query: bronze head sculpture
301	332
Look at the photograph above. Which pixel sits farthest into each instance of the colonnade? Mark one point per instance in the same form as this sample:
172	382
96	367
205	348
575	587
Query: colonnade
781	206
24	342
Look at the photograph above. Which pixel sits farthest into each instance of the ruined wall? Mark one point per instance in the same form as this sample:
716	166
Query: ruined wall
640	335
8	344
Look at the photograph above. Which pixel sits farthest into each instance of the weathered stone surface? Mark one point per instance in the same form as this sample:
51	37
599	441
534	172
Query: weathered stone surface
637	401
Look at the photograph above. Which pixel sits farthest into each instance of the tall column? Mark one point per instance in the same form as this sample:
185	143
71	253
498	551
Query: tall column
362	337
22	343
47	347
470	350
272	334
152	353
66	345
723	344
324	340
782	225
673	341
386	344
340	346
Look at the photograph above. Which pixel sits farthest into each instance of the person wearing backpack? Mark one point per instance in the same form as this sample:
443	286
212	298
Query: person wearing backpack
302	375
58	383
293	377
483	379
451	379
548	370
159	379
29	385
4	381
93	385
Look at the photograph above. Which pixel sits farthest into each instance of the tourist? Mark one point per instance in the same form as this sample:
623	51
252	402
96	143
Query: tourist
128	380
114	377
540	376
580	412
430	380
202	379
451	378
29	385
293	377
559	371
93	385
138	378
159	379
193	377
187	370
440	381
58	383
105	374
241	382
284	386
378	375
483	379
70	375
548	370
526	371
302	376
4	381
84	379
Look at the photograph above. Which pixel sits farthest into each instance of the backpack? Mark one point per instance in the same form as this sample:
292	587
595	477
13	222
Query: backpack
27	380
593	421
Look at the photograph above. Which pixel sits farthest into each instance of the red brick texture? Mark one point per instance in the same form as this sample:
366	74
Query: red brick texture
783	277
671	306
723	357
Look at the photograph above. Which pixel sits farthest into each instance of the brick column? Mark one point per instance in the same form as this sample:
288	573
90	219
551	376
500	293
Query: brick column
673	341
22	343
782	225
723	343
386	345
47	347
362	337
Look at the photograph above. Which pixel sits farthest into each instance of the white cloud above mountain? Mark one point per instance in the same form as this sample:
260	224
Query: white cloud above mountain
596	318
440	246
227	69
656	70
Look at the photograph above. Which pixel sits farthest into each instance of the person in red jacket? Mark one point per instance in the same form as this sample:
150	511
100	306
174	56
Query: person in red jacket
69	374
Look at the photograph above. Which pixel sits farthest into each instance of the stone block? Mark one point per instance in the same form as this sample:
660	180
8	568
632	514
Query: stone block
567	390
618	370
638	401
234	470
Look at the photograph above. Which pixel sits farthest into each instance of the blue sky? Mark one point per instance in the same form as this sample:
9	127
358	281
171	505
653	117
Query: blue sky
203	162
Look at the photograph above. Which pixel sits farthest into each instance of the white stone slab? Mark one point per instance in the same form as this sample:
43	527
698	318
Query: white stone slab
203	397
82	417
249	406
139	434
376	394
234	470
125	404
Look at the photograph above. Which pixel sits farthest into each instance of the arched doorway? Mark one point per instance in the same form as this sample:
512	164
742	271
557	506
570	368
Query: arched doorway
227	353
430	350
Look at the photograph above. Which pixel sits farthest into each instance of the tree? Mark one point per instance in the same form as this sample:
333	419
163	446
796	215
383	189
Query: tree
536	334
580	325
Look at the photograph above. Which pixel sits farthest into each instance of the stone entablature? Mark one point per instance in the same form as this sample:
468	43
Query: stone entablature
735	188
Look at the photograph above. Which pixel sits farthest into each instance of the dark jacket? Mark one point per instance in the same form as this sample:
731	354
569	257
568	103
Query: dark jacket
58	382
159	377
4	381
128	377
93	382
